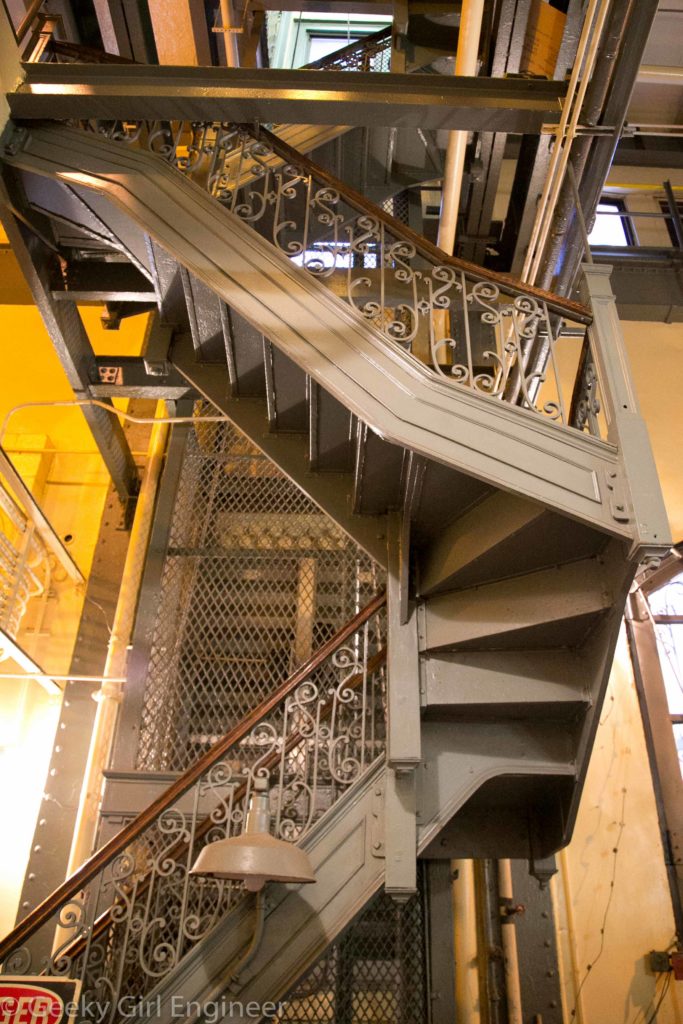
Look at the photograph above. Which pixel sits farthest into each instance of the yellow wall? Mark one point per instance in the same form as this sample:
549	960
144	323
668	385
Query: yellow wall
72	496
636	914
656	354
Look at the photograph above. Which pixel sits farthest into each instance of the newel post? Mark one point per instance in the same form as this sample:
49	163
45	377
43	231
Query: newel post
627	429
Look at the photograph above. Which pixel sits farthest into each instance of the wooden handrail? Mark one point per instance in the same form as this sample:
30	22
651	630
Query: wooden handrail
576	311
118	843
180	847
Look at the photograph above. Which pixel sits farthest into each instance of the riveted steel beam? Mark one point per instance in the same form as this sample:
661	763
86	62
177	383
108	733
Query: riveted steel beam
273	94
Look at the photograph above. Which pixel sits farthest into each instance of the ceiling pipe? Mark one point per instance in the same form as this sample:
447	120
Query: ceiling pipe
602	151
591	115
582	71
465	64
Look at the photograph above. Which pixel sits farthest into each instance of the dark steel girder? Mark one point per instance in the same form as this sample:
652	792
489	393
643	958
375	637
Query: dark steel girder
275	95
69	337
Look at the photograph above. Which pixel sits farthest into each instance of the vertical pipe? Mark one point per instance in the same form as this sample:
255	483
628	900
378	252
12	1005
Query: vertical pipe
465	64
675	215
566	132
232	57
109	695
465	927
509	935
490	944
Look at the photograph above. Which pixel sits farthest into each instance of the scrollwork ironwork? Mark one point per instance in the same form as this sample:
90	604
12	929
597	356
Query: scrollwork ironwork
472	332
144	911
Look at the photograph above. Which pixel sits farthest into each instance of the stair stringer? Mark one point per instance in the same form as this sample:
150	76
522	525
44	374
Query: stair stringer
346	850
508	447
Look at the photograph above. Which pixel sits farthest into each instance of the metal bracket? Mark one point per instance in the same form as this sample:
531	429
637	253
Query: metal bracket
156	346
616	493
377	825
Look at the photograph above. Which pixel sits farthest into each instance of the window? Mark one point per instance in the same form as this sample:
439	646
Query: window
320	46
302	37
611	227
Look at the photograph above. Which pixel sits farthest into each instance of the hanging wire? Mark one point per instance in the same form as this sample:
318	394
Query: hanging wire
601	950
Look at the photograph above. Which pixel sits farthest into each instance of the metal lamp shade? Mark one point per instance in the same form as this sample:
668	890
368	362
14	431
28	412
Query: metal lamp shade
254	858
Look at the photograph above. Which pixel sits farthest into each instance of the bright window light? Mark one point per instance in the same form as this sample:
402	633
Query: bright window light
609	228
321	46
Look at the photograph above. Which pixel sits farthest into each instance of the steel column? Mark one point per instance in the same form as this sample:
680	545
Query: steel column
564	260
537	947
46	867
661	746
124	752
441	941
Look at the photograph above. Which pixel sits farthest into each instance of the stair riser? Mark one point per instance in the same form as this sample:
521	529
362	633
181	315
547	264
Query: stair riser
555	607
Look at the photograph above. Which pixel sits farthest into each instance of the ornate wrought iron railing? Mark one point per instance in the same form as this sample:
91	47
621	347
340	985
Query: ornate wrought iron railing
474	328
126	918
24	566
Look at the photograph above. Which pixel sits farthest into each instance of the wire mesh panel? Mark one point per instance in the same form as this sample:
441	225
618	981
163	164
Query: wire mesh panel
371	53
255	578
375	973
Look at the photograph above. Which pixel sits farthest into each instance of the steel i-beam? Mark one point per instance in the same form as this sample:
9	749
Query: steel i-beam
276	95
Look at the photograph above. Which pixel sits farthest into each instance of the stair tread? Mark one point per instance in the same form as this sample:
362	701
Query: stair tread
502	537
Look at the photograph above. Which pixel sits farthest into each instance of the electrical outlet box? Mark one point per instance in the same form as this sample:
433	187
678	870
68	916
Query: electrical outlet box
659	962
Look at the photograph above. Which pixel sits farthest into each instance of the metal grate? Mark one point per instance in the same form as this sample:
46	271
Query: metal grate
371	53
375	972
255	578
398	206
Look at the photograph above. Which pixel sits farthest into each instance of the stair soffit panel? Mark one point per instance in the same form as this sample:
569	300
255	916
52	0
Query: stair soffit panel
502	537
507	447
554	605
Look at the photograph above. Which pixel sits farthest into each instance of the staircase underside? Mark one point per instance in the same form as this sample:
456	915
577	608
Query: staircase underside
394	395
514	555
347	852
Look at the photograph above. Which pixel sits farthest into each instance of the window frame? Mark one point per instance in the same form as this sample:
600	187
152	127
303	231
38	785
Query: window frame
620	208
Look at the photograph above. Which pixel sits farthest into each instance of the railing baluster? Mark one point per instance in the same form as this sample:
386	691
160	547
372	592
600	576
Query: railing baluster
399	291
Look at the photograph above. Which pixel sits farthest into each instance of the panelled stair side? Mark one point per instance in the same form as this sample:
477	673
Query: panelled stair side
508	567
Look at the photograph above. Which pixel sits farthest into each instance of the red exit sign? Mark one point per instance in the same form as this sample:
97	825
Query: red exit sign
38	1000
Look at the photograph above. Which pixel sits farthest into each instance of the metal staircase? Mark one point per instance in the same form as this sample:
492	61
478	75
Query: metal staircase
476	436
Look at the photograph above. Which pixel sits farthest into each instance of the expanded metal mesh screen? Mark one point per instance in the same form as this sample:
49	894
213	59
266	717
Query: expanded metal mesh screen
375	973
255	578
371	53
